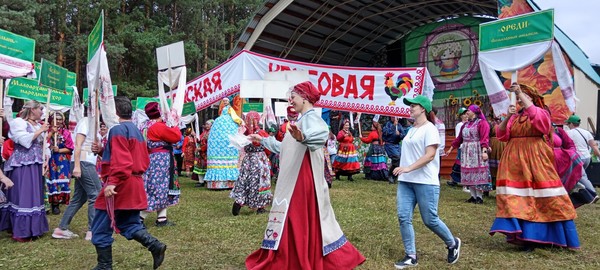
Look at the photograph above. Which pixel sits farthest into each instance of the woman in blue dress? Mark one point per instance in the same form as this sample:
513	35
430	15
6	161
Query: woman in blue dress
59	164
222	164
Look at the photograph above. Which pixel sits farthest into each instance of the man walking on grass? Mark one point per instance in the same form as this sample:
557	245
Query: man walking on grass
124	160
87	184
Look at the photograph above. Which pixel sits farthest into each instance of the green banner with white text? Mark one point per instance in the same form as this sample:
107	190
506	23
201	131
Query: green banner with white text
17	46
516	31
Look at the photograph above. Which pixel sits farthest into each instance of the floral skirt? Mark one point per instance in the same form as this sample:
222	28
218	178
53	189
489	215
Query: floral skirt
253	187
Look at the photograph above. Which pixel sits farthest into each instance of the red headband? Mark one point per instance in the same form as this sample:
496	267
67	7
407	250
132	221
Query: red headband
308	91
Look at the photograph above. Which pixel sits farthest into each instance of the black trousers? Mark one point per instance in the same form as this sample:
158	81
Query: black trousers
179	161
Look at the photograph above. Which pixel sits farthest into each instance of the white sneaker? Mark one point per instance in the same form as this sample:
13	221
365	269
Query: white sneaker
63	234
88	236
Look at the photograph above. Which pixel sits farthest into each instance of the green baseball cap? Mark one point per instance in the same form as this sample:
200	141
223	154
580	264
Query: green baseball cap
462	110
574	119
421	100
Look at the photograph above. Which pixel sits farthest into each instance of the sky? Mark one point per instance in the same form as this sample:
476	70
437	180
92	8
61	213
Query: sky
579	19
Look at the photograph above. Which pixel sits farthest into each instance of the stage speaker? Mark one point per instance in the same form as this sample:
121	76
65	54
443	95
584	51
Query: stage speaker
593	173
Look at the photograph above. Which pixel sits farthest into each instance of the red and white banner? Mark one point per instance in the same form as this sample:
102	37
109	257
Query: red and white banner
357	89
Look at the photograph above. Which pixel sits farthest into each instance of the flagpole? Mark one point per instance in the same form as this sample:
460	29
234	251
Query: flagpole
45	145
55	132
1	103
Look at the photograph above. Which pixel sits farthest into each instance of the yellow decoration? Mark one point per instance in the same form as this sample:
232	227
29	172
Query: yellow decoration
467	102
478	102
451	96
454	102
475	92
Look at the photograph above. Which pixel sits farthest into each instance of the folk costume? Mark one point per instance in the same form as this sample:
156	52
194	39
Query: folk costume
253	187
200	163
375	164
222	165
530	197
58	177
495	154
346	160
189	149
569	166
24	213
124	161
474	171
160	180
302	232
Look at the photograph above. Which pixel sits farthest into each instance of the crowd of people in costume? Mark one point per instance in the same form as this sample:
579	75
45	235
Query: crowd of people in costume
128	172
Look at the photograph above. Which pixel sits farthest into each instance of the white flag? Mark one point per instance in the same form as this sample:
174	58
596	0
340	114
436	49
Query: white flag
100	84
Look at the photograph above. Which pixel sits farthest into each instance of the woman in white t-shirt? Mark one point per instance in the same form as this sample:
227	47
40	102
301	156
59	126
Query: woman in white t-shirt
418	183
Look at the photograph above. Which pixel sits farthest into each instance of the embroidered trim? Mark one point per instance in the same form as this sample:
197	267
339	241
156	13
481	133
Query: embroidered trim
13	207
335	245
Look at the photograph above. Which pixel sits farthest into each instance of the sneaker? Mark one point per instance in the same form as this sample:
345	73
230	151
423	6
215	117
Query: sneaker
454	252
406	263
88	236
63	234
595	200
471	200
479	201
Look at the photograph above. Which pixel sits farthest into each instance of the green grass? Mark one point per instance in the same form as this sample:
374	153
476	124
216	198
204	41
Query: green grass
207	236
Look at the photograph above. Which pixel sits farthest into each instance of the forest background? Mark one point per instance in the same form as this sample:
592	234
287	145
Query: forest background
133	31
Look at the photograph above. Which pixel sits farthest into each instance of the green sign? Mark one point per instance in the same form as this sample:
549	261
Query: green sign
143	101
53	75
96	37
188	108
86	95
257	107
134	104
71	78
17	46
23	88
515	31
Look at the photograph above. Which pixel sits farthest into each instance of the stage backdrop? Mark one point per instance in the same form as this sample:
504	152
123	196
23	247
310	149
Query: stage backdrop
358	89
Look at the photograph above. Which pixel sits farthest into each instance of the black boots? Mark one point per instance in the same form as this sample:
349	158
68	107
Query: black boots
235	209
154	246
104	258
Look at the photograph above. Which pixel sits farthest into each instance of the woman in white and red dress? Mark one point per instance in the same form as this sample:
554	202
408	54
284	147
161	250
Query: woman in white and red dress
302	232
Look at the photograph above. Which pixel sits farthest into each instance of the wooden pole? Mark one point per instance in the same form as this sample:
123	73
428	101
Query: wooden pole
1	103
55	132
45	145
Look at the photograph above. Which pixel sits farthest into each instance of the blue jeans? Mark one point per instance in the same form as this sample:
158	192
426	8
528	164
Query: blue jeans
127	221
426	196
584	178
86	189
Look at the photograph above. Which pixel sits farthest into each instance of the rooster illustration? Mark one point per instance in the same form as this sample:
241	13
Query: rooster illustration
404	83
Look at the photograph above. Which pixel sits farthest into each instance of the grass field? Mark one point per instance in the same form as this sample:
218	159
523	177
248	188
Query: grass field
207	236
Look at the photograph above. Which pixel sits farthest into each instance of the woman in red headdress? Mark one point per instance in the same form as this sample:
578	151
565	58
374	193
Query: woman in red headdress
302	232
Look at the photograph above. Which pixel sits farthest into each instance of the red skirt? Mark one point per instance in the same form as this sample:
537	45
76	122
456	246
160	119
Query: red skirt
301	245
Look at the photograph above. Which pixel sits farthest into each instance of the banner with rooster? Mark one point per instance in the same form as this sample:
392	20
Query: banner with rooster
356	89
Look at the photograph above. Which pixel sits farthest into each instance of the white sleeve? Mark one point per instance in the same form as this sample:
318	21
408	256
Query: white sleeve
18	133
432	136
442	133
588	136
82	127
